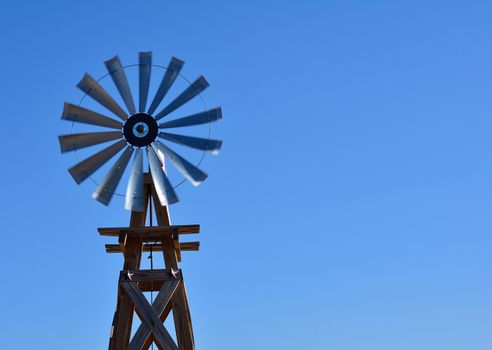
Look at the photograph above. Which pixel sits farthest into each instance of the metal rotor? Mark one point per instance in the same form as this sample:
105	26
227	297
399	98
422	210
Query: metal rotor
138	131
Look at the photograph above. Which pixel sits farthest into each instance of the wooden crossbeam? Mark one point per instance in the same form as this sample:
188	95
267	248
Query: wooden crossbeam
150	286
150	275
183	246
149	231
149	316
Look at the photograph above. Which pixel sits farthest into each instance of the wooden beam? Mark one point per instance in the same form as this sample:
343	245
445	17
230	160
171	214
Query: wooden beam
142	230
149	317
150	275
167	311
183	246
150	286
159	305
189	246
153	237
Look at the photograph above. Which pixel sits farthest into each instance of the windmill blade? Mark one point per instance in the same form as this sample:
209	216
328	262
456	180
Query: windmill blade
134	199
209	145
77	141
194	89
172	72
188	170
107	187
144	70
195	119
115	69
163	187
87	167
82	115
94	90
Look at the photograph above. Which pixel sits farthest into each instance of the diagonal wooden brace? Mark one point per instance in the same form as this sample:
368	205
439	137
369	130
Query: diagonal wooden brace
149	316
160	303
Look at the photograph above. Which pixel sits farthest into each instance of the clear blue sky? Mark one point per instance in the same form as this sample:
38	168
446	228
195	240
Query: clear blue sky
349	209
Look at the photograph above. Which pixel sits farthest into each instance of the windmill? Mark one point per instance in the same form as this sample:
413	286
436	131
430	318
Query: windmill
143	134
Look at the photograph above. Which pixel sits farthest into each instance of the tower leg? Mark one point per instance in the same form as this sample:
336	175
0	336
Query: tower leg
122	321
180	307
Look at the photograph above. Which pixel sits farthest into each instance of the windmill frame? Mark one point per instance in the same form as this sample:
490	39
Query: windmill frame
134	281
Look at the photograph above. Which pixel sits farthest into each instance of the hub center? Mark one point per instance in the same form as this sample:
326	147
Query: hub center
140	130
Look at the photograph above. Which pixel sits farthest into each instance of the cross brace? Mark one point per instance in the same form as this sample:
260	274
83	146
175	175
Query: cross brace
150	316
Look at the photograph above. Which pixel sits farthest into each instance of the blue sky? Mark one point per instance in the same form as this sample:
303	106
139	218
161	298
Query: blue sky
350	205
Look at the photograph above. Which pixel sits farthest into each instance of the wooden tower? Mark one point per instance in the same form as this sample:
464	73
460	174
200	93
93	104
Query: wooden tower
168	283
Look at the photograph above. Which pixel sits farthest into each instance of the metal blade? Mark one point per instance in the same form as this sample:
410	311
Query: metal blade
188	170
82	115
163	187
134	199
94	90
209	145
195	119
115	68
77	141
194	89
144	70
172	72
107	187
87	167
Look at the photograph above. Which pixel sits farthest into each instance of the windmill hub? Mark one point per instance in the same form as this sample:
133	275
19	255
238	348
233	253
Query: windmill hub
140	130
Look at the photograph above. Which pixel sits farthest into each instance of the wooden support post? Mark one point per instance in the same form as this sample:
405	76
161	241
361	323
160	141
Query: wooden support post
122	321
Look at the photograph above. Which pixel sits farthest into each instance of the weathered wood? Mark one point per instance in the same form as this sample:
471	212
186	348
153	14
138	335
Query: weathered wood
150	286
122	322
161	211
180	307
148	316
125	307
162	300
153	237
189	246
149	275
167	311
183	246
141	230
148	179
